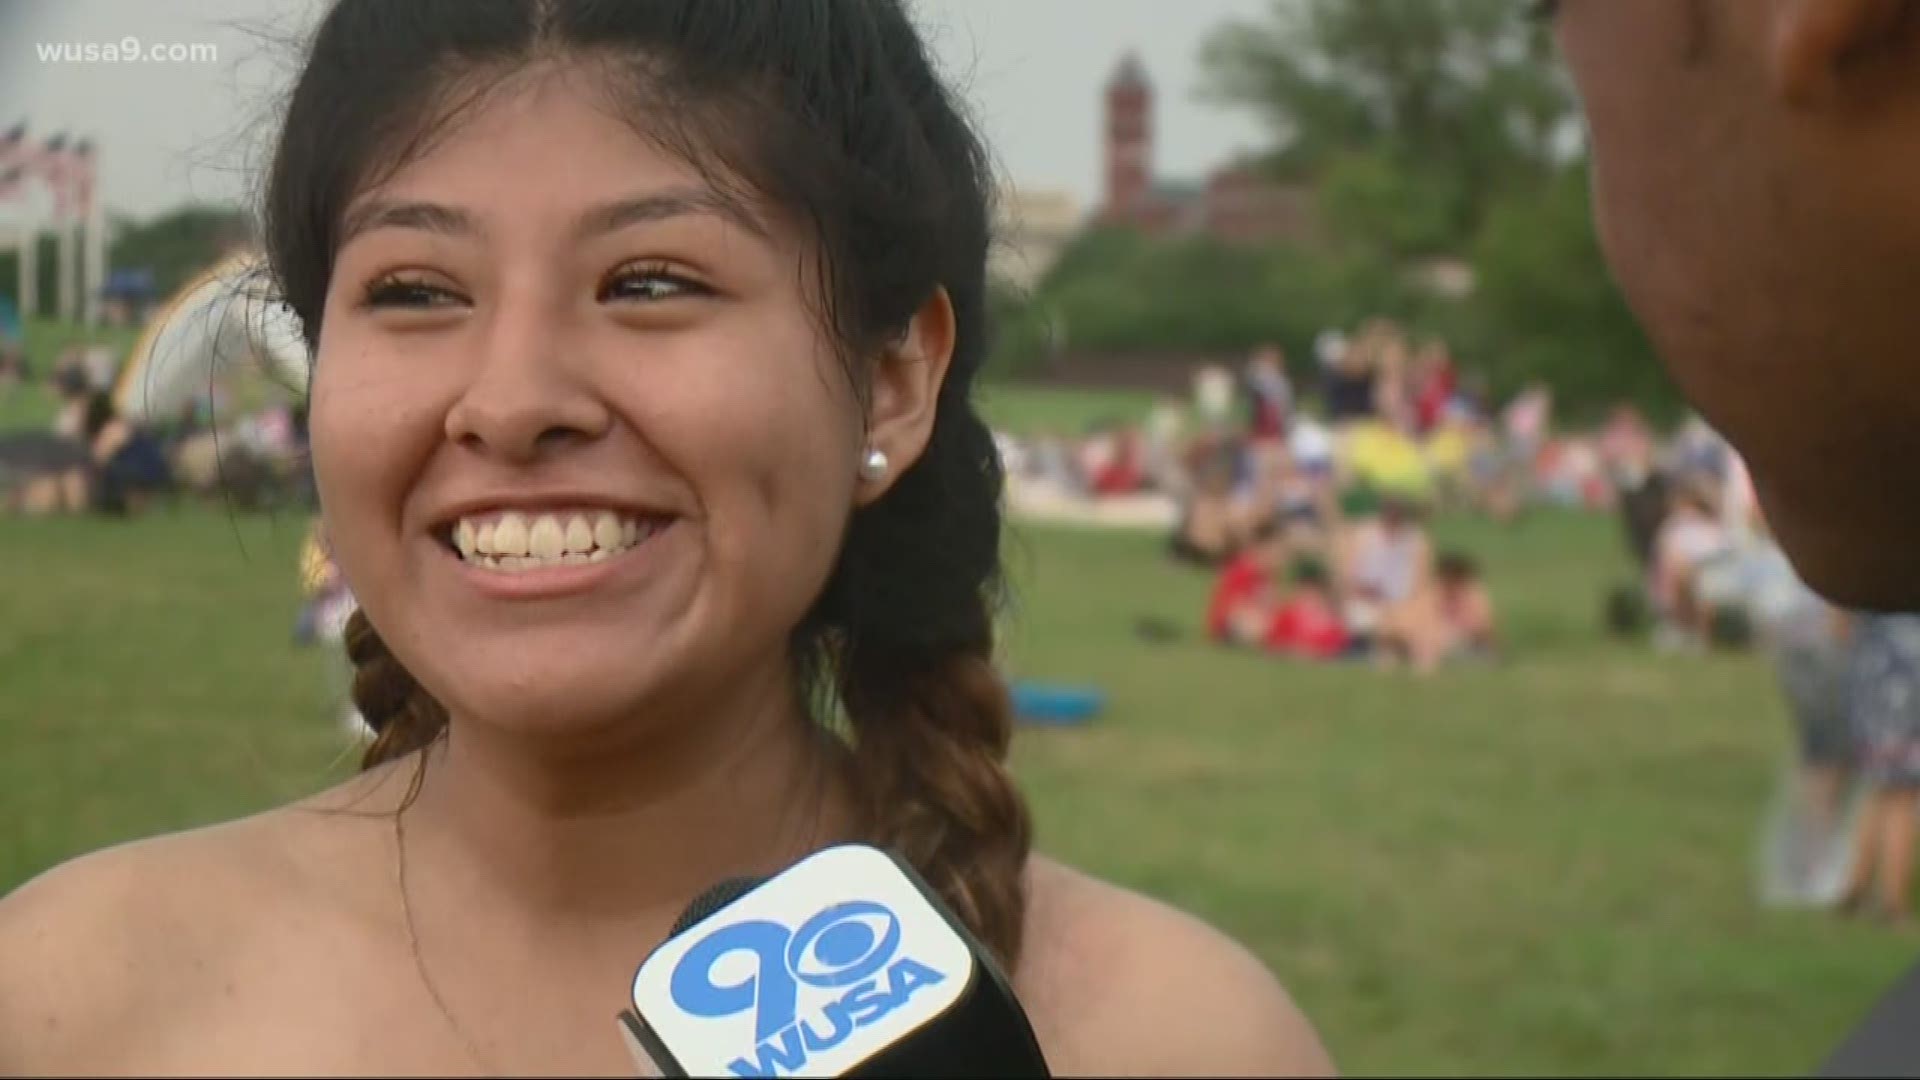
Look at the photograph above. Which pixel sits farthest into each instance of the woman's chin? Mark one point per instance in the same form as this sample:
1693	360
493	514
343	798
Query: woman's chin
558	701
563	715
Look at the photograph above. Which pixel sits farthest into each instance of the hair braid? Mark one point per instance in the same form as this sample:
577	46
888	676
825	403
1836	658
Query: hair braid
403	716
912	607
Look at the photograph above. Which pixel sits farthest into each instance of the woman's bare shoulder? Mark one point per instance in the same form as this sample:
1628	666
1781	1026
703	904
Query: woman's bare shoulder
1122	985
92	943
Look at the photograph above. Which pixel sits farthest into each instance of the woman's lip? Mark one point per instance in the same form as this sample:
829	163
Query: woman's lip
551	582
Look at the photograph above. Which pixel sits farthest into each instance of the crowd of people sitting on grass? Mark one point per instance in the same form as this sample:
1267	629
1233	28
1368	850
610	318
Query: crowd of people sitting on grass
92	459
1382	409
1311	508
1312	513
1356	579
1710	573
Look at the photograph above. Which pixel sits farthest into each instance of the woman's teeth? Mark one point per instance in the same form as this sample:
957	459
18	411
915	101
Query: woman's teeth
519	542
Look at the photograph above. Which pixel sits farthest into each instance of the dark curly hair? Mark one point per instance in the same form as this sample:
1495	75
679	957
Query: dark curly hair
832	111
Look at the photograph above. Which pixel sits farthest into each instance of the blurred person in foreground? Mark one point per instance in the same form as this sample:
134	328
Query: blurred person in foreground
326	607
1883	707
677	538
1776	273
1755	172
1809	849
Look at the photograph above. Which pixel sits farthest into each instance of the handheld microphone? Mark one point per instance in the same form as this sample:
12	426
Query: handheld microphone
845	964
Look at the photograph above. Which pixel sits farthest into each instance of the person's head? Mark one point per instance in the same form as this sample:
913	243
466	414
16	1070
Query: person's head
1694	497
1456	570
1309	576
1267	361
1755	165
99	413
1269	543
70	382
700	284
1399	512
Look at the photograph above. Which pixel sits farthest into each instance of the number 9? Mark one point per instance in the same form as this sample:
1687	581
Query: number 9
770	987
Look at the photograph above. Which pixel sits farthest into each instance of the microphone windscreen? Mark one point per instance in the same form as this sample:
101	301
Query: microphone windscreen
713	900
845	964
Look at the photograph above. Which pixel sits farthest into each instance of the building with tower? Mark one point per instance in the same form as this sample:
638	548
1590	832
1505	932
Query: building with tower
1235	204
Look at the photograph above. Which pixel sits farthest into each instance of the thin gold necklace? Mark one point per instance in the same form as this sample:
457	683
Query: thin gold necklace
419	962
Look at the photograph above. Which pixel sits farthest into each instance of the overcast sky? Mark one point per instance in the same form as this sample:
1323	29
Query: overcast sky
170	132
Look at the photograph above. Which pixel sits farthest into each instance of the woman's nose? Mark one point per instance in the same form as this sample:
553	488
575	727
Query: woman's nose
528	394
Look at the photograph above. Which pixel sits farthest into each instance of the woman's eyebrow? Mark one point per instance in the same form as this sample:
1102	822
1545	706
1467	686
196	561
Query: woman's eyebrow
423	216
598	221
663	205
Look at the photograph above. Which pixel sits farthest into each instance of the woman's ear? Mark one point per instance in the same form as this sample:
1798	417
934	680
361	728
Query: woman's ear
905	395
1814	42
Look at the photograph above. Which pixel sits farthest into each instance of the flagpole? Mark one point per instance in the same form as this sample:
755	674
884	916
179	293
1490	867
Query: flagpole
66	227
29	237
16	169
96	269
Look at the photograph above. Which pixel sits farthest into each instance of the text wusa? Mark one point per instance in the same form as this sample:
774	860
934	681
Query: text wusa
849	947
126	50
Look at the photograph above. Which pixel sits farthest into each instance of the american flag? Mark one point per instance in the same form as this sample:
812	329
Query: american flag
13	143
80	176
13	162
67	170
55	166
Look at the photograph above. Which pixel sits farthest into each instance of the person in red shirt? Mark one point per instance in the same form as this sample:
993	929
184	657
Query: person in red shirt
1307	624
1243	595
1125	472
1436	380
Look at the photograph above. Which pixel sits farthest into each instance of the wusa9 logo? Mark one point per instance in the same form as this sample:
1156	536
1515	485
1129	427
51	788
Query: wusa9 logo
802	991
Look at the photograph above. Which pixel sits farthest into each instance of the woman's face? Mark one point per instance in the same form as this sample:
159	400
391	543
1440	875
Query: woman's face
581	443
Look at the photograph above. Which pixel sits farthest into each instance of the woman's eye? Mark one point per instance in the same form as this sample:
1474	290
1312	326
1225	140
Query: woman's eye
650	283
407	293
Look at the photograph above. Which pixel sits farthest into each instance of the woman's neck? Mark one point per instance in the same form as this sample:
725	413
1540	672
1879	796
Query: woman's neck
629	833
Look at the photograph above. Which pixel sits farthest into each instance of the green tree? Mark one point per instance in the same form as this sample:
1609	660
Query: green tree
1417	116
174	246
46	264
1116	291
179	244
1546	307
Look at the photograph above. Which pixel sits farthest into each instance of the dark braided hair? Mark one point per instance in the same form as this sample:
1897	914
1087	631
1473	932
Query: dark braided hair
831	111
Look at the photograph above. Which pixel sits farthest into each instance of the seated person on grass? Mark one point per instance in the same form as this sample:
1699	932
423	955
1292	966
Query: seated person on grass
1243	595
1464	608
1307	623
1210	531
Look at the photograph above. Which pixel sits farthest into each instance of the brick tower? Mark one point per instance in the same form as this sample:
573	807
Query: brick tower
1129	141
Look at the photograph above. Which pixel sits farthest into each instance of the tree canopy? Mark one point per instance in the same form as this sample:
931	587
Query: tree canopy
1415	118
1427	128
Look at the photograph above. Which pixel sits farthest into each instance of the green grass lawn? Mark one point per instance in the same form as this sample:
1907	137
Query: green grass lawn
34	406
1030	410
26	408
1543	867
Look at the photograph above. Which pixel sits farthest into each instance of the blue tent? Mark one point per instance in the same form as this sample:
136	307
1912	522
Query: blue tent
135	286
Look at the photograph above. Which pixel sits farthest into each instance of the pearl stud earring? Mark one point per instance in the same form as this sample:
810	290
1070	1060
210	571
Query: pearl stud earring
876	466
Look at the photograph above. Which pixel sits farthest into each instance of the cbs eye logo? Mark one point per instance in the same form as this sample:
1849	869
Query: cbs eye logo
841	946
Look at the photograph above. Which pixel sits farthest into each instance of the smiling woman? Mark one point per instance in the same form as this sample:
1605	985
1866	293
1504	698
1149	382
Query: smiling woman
643	340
